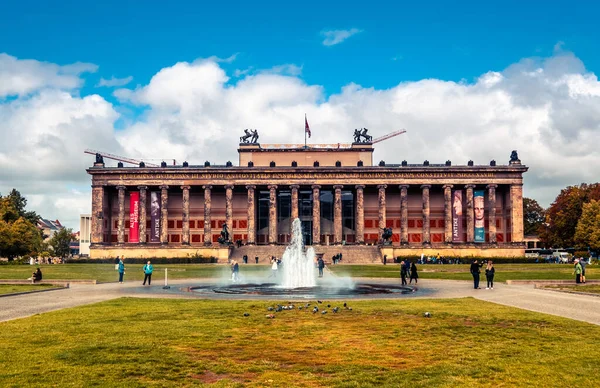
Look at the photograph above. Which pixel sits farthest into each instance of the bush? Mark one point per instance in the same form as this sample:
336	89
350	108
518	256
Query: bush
468	260
155	260
584	254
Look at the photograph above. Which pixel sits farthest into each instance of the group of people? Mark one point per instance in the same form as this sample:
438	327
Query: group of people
335	259
148	269
490	271
44	260
408	270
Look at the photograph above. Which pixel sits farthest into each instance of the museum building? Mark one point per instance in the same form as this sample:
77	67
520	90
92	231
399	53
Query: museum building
345	202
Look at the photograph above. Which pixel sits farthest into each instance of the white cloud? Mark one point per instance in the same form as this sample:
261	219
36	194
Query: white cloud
21	77
333	37
547	109
112	82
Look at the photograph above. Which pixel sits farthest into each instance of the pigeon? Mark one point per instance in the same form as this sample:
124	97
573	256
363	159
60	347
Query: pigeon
279	308
270	308
315	309
270	316
319	301
427	314
344	304
328	305
246	314
324	312
336	309
299	307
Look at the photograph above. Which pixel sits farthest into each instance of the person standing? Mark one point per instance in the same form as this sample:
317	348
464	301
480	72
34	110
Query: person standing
403	272
321	266
582	263
475	272
577	272
274	268
489	274
148	268
117	263
413	273
121	270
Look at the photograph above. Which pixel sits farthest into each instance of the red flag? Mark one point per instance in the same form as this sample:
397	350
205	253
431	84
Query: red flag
306	127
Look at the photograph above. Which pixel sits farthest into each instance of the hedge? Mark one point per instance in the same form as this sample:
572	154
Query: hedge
154	260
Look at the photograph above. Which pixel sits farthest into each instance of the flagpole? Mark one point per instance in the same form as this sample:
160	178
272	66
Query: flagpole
305	131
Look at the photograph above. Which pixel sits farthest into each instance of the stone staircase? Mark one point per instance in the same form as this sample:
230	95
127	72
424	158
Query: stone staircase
351	254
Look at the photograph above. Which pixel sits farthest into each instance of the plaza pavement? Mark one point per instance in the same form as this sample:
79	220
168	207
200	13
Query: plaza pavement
575	306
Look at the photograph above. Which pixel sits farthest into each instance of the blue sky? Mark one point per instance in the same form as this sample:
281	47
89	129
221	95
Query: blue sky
405	41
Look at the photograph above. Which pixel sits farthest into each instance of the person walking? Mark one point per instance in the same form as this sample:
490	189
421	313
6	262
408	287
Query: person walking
121	270
413	273
475	272
403	272
582	263
489	274
274	268
148	268
577	271
321	266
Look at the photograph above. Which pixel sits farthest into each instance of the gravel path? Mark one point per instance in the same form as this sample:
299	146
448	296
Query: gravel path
579	307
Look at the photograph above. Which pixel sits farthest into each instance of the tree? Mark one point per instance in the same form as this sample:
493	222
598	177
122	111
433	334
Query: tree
587	232
20	203
533	216
18	236
564	213
60	242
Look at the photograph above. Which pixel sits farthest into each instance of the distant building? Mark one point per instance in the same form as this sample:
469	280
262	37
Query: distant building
49	227
84	234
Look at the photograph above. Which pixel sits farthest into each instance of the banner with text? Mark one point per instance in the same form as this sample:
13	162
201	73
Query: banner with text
457	216
155	216
134	221
478	208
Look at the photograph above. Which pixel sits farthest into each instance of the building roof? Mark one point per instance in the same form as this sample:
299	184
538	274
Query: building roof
49	224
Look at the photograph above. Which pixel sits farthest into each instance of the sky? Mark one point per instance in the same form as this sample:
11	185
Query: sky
175	80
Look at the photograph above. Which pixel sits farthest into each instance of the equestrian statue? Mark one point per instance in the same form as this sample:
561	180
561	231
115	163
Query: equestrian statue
362	133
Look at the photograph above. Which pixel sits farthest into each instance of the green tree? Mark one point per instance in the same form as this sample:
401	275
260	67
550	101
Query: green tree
20	203
587	232
533	216
18	236
563	214
60	242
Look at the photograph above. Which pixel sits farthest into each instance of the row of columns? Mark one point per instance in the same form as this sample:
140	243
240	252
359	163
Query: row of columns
515	192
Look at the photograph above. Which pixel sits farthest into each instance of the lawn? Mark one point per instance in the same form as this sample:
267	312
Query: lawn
589	288
107	273
461	271
152	342
13	288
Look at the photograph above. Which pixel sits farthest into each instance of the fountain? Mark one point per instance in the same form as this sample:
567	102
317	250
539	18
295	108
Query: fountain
298	279
298	266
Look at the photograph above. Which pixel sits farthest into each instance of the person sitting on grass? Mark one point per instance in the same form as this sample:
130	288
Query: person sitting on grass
37	275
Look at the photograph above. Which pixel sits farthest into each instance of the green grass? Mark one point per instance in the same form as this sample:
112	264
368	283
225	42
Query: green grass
589	288
13	288
461	271
182	343
107	273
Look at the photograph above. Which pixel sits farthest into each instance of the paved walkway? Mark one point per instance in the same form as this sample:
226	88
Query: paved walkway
579	307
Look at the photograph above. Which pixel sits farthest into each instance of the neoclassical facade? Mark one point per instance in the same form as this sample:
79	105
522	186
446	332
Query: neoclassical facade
340	196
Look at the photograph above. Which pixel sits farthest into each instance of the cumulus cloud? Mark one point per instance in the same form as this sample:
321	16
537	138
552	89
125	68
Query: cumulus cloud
22	77
546	108
333	37
112	82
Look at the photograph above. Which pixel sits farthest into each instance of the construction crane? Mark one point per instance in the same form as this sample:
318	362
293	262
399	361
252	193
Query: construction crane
120	158
389	135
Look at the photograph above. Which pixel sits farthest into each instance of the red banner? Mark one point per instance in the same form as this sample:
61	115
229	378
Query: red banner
134	221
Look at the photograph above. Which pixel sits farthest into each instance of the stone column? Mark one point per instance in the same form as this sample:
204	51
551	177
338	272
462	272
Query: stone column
381	210
360	214
272	214
251	225
404	214
97	227
164	215
143	193
492	212
316	218
516	212
470	215
229	210
294	189
447	214
121	219
185	228
207	206
426	212
337	215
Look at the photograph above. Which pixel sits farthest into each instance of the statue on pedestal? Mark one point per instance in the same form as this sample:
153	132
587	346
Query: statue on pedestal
224	239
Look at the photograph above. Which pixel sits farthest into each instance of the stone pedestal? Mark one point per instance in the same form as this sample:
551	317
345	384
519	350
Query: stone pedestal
207	210
337	215
470	215
272	214
426	213
404	214
316	218
447	214
360	214
381	210
97	230
143	215
164	215
185	216
229	210
121	219
251	212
